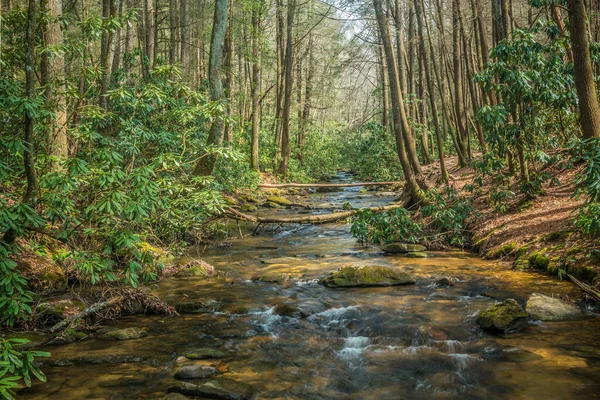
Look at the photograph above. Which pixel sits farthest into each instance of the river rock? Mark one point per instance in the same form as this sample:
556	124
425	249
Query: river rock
196	268
221	389
195	372
53	312
246	208
288	310
546	308
279	260
175	396
125	334
282	201
204	353
444	283
396	248
505	317
272	278
367	276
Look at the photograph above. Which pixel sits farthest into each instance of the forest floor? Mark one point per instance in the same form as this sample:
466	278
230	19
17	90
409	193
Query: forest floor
532	234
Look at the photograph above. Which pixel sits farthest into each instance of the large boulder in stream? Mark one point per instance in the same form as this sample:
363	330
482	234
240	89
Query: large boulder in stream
367	276
505	317
221	389
546	308
401	248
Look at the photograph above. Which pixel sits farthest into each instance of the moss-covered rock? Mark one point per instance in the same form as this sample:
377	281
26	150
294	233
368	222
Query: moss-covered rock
506	249
70	336
547	308
126	334
367	276
282	201
556	236
505	317
539	259
396	248
197	268
204	353
270	204
272	278
56	311
248	208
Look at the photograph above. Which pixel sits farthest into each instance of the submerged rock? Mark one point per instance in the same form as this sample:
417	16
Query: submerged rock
125	334
547	308
444	283
221	389
288	310
195	372
367	276
96	360
204	353
56	311
272	278
505	317
175	396
399	248
279	260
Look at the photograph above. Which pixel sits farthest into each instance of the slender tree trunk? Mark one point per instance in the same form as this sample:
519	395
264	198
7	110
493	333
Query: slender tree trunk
255	89
173	30
207	163
584	73
108	11
461	118
385	119
430	89
400	121
287	100
228	66
184	48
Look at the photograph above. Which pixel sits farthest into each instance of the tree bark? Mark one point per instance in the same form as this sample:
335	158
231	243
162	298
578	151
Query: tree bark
584	74
207	163
401	126
287	100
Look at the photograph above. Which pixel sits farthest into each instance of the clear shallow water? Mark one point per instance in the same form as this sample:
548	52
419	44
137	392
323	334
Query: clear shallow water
408	342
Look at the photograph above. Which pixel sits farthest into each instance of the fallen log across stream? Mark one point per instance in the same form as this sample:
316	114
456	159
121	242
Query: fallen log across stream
305	219
324	185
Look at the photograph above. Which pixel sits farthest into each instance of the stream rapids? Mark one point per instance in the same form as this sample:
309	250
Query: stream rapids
299	339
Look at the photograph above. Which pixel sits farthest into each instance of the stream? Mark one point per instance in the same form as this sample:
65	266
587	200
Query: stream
298	339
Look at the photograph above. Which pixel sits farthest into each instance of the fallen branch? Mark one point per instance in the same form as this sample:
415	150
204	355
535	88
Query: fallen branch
585	287
93	309
308	219
324	185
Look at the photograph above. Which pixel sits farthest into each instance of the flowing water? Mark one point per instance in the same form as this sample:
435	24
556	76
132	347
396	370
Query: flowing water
298	339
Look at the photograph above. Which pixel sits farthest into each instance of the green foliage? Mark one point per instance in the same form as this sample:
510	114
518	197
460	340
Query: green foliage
447	214
385	227
18	364
588	216
536	87
370	152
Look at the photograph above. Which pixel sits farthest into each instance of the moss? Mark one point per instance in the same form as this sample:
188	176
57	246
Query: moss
522	264
367	276
279	200
505	250
504	317
539	260
574	250
204	353
248	208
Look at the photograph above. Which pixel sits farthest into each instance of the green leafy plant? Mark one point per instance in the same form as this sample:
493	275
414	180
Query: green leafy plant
386	227
18	364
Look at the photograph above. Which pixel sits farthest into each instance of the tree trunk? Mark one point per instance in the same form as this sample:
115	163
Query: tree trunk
108	11
255	89
430	89
207	163
54	77
399	115
287	100
173	30
184	41
584	74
